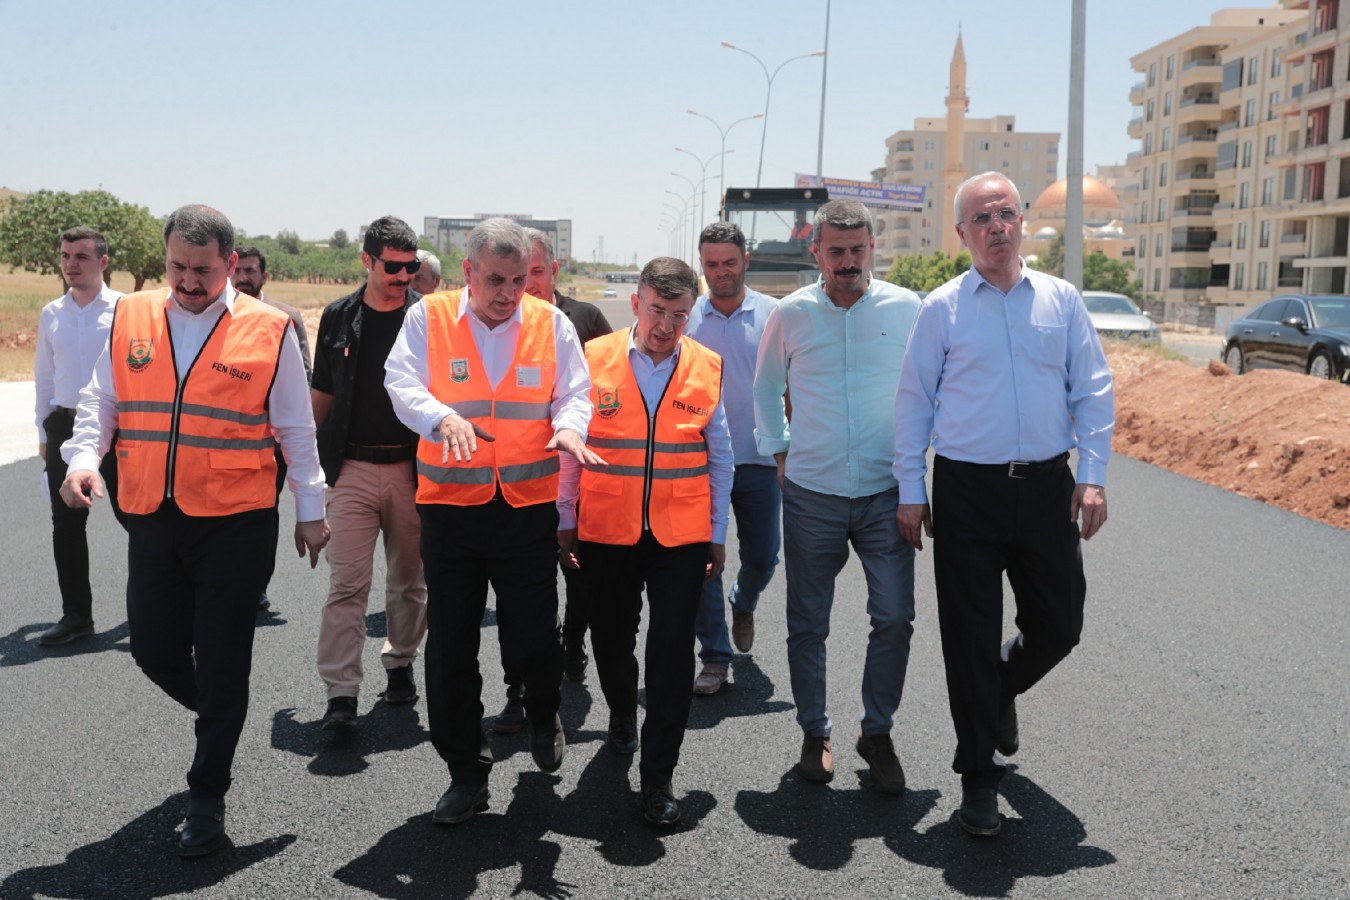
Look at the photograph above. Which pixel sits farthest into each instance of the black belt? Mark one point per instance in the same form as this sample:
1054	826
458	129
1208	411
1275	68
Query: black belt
66	410
379	455
1018	469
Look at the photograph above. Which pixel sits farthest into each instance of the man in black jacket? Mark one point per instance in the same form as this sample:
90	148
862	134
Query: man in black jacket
367	457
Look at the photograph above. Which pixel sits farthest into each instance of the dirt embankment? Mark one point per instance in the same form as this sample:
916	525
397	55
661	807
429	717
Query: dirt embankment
1275	436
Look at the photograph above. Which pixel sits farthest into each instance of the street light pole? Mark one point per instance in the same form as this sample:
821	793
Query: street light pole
703	194
768	93
693	224
721	178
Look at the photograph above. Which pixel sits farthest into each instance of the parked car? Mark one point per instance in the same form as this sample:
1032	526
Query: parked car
610	292
1117	316
1296	331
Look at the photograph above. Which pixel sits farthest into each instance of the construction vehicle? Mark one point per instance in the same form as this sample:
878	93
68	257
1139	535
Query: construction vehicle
777	223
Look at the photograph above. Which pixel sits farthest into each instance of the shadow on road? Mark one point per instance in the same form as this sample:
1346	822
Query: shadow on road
377	625
1046	841
20	647
419	859
750	694
385	727
138	861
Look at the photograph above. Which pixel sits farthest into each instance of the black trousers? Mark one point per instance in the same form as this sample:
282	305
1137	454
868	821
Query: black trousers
673	579
985	524
576	619
276	517
464	549
192	594
70	541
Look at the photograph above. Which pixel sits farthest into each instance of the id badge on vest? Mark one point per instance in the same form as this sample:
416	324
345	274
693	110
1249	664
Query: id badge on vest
527	376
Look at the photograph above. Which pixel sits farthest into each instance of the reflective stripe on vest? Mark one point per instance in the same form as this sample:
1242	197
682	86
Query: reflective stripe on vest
657	472
205	441
518	411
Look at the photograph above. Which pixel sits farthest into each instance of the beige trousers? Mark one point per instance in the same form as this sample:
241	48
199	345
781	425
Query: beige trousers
368	499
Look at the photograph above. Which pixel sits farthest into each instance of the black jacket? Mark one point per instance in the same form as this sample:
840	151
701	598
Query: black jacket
339	342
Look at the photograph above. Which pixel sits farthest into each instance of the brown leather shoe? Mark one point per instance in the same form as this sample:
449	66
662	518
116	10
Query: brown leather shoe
817	763
743	630
711	679
887	774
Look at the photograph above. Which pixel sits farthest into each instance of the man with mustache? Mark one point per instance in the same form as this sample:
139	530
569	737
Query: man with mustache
367	456
729	320
72	332
201	382
250	274
1004	376
840	341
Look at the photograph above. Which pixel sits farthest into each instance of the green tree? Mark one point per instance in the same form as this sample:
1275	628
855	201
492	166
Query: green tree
31	226
925	273
289	241
1100	272
339	240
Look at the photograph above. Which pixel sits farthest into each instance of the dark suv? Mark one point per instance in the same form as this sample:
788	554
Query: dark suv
1295	331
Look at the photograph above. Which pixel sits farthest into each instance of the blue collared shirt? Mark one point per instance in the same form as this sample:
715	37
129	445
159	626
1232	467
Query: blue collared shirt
843	366
993	378
736	338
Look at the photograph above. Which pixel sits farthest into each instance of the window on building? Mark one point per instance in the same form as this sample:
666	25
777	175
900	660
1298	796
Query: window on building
1162	209
1026	165
1026	146
1158	246
1157	280
1143	213
1148	110
1162	175
1242	236
984	145
1253	68
1148	172
1166	138
1167	103
1246	154
1143	245
1171	66
1244	195
1148	143
1007	145
1239	276
1052	148
1271	102
1263	239
928	165
929	145
1271	144
1249	117
1262	270
1152	74
1275	65
1267	191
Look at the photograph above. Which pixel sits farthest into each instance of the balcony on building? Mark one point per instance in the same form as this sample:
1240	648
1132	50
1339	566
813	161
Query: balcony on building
1199	173
1200	107
1137	93
1135	129
1297	50
904	146
1200	65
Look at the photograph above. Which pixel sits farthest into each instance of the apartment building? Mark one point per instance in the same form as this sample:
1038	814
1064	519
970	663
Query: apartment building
453	233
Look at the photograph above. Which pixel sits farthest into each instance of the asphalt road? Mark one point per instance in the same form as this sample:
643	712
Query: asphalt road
1193	746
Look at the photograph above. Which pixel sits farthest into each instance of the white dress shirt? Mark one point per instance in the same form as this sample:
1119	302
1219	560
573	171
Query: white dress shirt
843	366
289	410
652	379
408	374
995	378
70	337
736	339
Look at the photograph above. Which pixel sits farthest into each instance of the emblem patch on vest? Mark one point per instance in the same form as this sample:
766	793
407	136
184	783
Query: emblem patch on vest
459	370
140	354
607	402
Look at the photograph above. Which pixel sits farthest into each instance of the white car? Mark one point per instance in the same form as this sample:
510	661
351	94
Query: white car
1117	316
610	292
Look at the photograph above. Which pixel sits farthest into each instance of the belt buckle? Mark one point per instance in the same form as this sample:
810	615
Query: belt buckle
1012	470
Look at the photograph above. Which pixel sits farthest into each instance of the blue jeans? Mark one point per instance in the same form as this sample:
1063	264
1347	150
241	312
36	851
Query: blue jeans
817	530
756	503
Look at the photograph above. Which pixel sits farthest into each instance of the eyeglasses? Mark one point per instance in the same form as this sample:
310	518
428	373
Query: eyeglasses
1007	215
678	319
393	268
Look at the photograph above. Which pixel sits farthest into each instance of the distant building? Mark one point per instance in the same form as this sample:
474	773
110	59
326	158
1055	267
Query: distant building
940	153
453	234
1103	212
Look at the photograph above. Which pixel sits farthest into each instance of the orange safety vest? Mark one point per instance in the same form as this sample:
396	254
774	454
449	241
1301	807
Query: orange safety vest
657	477
517	412
204	441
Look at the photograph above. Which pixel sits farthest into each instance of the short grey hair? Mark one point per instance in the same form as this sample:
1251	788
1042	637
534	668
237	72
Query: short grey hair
429	259
845	214
980	179
539	238
499	236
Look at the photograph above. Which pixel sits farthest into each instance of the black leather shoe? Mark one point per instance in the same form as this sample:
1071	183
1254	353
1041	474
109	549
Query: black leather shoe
341	713
548	746
659	806
263	602
460	803
203	827
979	811
623	734
512	717
1005	739
575	668
70	628
402	688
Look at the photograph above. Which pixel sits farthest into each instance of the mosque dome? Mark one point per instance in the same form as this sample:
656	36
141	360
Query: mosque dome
1096	195
1048	233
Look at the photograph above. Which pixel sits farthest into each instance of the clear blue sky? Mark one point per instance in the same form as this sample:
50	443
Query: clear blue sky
315	116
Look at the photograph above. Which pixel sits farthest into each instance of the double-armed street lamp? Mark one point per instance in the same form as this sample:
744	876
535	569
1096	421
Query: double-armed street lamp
703	167
768	93
721	178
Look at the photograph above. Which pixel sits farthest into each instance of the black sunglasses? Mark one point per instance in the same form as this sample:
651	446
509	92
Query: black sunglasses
393	268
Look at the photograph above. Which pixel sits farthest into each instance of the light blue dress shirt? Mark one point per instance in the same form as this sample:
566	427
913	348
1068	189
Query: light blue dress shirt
843	366
994	378
736	338
652	379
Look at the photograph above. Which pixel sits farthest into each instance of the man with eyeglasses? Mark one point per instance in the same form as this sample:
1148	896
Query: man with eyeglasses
842	339
653	518
495	383
1005	375
368	460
